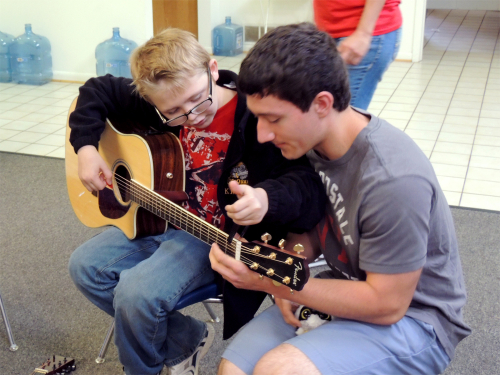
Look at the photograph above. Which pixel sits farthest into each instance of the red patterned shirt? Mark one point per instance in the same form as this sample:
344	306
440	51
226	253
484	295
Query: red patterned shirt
204	153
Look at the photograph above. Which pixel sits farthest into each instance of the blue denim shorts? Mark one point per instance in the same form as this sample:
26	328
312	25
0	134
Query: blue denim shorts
344	346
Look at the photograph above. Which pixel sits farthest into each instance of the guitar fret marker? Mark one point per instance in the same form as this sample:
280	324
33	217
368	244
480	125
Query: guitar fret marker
237	254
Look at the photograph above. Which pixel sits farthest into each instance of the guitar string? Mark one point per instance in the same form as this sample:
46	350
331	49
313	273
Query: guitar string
125	185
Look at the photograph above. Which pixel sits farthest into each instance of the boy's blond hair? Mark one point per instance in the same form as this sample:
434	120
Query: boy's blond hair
171	56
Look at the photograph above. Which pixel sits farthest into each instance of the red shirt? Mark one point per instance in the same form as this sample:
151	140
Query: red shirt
204	153
340	18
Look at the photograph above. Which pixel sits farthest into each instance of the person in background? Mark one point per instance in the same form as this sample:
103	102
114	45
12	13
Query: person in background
368	34
394	287
230	178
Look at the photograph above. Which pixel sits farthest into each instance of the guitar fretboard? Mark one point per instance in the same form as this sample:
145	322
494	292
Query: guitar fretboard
174	214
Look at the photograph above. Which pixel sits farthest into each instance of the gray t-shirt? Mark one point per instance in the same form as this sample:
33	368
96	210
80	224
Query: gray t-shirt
388	214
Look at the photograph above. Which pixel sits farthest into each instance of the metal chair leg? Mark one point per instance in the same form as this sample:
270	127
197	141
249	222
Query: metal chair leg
213	316
105	344
13	347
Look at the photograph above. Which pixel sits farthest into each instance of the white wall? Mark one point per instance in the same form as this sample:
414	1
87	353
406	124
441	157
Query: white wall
412	39
75	27
464	4
253	12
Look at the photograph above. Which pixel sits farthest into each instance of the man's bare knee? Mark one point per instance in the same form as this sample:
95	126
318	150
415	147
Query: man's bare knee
228	368
285	359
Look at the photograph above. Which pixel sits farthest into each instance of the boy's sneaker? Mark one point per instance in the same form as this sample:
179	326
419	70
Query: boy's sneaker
190	365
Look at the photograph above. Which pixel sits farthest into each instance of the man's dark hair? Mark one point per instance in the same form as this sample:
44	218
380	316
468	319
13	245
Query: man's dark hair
295	63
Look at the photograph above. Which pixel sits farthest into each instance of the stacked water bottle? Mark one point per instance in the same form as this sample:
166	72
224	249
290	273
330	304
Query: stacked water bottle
113	55
25	59
227	39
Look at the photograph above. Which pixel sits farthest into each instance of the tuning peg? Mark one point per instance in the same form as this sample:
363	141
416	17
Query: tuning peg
282	244
266	237
298	248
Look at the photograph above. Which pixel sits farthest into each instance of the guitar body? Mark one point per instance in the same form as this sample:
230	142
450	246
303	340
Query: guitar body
154	161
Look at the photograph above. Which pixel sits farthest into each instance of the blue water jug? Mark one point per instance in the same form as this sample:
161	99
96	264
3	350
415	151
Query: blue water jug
227	39
30	58
5	71
113	55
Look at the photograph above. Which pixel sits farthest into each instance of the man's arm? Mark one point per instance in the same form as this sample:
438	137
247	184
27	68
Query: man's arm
356	46
394	224
381	299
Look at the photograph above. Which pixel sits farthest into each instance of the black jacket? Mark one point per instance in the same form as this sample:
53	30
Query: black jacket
295	192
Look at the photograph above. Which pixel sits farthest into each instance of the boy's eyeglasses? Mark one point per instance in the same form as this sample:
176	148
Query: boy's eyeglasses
200	108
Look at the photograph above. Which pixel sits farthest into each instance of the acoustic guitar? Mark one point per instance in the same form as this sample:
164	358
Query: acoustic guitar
148	170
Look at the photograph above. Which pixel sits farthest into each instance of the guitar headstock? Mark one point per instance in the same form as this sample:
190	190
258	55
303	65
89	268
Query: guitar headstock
56	365
282	266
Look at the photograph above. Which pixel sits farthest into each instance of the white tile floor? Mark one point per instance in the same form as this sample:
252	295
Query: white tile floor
449	103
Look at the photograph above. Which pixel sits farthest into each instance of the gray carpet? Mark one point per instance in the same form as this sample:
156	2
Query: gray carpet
38	232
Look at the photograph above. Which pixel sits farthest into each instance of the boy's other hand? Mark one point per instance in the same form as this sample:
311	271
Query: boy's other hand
251	206
92	169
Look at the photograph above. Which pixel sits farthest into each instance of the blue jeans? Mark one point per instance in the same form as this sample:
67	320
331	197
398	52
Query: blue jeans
344	346
139	283
364	77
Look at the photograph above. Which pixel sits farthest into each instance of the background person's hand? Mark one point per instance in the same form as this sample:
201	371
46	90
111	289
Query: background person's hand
354	48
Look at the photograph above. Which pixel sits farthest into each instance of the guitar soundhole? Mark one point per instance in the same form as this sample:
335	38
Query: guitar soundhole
122	182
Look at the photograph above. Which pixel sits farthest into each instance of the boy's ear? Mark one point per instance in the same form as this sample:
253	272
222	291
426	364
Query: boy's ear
323	103
214	69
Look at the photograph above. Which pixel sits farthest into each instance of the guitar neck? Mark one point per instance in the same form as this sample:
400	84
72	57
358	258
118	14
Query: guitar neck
178	216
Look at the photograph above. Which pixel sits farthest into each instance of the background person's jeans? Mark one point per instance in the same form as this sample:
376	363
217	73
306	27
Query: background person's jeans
139	282
364	77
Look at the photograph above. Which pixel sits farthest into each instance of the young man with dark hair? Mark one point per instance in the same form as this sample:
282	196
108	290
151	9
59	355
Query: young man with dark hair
395	287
